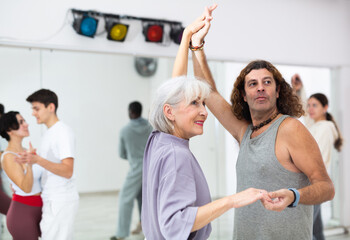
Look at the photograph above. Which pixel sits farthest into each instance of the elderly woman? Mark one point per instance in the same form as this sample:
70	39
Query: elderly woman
176	198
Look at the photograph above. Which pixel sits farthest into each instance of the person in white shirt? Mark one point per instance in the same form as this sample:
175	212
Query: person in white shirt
56	154
324	129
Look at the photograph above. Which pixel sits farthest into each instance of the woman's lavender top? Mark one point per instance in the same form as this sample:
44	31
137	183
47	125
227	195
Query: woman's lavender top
173	187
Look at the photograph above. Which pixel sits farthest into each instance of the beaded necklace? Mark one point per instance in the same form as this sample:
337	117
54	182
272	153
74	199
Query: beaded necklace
260	125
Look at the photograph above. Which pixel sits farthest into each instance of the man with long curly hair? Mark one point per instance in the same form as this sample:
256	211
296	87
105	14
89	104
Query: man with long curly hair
277	153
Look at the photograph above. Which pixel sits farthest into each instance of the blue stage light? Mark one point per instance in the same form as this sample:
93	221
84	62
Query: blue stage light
84	23
88	26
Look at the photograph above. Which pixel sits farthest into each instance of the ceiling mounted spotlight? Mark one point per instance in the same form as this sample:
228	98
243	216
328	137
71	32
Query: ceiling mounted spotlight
84	24
176	33
88	26
116	31
153	32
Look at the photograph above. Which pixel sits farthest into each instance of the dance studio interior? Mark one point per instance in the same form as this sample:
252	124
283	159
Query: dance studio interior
97	74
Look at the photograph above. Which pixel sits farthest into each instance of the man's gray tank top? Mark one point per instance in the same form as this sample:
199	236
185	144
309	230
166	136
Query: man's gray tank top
257	166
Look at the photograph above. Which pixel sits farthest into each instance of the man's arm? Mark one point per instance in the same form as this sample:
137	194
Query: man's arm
121	147
306	157
63	169
216	103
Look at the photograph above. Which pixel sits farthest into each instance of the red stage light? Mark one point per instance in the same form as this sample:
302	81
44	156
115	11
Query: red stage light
153	33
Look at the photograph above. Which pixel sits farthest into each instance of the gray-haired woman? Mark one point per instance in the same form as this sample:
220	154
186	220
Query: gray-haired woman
175	194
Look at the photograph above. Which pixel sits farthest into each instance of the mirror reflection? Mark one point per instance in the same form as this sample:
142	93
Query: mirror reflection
95	91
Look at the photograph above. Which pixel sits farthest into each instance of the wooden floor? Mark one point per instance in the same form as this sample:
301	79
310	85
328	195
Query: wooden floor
97	219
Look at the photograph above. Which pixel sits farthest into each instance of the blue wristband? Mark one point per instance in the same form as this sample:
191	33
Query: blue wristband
296	197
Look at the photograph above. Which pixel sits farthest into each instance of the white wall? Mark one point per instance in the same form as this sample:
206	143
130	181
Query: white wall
314	32
20	75
342	77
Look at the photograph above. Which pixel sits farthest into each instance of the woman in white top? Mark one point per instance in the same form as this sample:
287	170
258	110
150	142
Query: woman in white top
324	129
24	214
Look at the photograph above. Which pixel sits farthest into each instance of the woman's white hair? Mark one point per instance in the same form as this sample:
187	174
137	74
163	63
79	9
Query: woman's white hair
172	92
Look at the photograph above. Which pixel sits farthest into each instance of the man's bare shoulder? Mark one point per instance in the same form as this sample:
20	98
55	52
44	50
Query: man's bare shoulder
291	124
292	128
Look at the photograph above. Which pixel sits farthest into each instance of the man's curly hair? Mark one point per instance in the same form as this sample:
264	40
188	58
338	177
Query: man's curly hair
287	102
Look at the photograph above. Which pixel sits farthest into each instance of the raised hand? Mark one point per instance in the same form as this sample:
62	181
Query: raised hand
297	84
199	26
198	36
31	149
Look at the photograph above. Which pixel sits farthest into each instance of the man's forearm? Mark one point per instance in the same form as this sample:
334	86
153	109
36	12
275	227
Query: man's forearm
317	193
201	68
61	169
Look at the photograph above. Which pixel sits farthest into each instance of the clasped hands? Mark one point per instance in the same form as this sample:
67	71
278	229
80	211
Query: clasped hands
27	157
274	201
277	200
